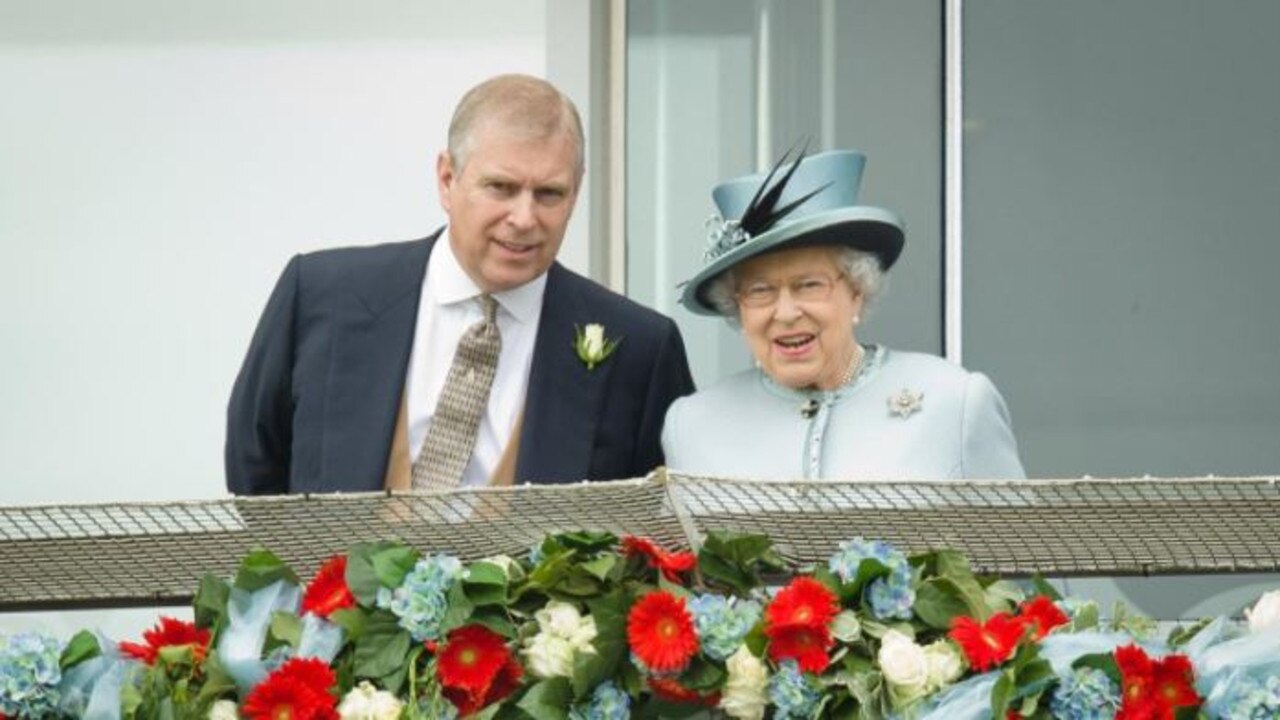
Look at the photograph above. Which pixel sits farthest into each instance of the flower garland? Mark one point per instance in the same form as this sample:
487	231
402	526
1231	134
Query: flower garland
595	627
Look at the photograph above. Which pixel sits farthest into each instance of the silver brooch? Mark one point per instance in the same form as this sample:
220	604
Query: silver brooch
905	403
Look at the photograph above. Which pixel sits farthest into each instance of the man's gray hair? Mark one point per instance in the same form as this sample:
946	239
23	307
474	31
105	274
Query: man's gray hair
862	269
524	104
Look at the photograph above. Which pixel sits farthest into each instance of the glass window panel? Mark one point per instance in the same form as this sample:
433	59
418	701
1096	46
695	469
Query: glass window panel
1119	243
860	74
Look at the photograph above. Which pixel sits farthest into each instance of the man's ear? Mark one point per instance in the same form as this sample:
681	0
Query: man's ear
445	178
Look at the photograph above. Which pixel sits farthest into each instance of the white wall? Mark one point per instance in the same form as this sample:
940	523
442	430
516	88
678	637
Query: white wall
160	160
159	163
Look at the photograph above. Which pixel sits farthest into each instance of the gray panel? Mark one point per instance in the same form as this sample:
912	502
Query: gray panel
1120	241
889	105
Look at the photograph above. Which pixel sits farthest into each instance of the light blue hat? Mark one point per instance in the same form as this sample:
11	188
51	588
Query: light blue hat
814	201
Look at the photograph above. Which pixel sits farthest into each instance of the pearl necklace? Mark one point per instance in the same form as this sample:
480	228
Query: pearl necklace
854	365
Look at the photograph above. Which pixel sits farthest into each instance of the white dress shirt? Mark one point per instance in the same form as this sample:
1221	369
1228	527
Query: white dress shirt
448	306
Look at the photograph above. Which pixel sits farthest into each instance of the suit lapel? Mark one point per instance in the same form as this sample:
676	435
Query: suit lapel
374	327
564	399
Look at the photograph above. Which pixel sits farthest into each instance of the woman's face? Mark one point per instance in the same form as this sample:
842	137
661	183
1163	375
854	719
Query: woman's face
797	311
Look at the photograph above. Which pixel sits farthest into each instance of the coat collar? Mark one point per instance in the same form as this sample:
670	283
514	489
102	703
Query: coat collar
565	399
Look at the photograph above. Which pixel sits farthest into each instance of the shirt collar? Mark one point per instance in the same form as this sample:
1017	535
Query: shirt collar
450	285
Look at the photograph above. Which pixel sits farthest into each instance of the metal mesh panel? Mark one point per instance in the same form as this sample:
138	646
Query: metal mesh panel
1057	528
154	553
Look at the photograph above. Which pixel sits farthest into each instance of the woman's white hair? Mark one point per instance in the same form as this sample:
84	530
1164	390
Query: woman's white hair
861	268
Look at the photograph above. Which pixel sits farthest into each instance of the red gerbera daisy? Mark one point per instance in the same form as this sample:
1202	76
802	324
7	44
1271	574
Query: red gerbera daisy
328	590
1153	688
671	690
806	645
661	633
504	683
805	602
471	659
1042	615
988	644
169	632
670	564
298	690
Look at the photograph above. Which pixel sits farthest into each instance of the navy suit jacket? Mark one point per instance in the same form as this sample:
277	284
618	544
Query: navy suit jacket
315	404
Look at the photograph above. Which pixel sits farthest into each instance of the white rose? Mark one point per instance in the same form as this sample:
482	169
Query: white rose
745	690
594	333
945	664
905	668
223	710
548	656
562	620
365	702
1265	613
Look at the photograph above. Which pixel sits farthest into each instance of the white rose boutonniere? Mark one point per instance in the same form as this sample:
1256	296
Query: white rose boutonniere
1265	613
592	346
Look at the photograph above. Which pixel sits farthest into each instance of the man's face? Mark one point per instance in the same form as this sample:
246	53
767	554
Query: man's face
509	204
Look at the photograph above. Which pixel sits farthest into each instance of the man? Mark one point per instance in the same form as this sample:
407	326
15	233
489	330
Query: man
353	360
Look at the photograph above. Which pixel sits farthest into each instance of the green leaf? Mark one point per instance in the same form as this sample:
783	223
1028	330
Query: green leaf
610	643
600	567
1180	636
1003	595
951	564
382	649
1002	694
483	572
755	639
1085	617
458	612
82	646
578	583
737	559
286	627
702	675
588	542
485	583
937	602
260	568
547	700
494	618
845	627
1043	587
351	620
371	566
210	602
217	681
1106	662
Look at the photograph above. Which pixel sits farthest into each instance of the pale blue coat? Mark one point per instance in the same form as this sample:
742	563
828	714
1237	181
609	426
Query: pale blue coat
748	426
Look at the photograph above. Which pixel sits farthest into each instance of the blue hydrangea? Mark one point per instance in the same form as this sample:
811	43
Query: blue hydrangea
423	598
608	702
1250	698
792	693
29	675
890	597
722	623
1085	694
536	555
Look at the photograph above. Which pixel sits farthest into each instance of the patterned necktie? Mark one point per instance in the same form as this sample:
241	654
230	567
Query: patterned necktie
452	434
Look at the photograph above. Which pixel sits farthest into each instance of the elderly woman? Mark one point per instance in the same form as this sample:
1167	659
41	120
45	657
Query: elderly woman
795	267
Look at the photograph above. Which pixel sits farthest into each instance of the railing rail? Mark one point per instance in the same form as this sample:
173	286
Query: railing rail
129	554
